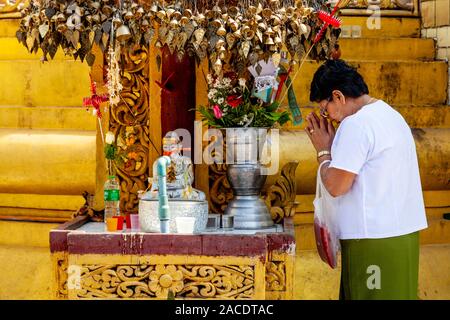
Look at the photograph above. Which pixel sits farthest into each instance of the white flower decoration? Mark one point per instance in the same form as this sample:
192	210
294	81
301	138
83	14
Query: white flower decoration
209	78
110	138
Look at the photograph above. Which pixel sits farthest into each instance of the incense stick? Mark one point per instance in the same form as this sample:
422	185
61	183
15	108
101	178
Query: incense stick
296	73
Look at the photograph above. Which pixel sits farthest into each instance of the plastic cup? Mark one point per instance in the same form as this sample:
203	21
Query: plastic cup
128	221
119	222
111	224
134	220
185	224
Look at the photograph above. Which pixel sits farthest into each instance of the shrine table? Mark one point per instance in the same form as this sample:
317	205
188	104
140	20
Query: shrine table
240	264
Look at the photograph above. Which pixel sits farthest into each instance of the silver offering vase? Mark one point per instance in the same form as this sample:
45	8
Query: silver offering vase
246	179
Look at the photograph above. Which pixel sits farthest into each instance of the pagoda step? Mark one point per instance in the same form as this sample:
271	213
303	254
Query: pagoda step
11	49
387	49
396	82
18	204
8	27
70	118
390	27
416	116
53	162
32	83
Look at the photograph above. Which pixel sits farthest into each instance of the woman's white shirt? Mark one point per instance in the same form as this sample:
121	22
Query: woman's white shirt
385	199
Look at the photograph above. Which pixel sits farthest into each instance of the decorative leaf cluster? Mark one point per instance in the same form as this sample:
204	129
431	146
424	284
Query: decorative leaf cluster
225	32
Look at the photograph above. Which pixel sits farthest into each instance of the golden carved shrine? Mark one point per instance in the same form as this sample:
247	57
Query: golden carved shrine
41	107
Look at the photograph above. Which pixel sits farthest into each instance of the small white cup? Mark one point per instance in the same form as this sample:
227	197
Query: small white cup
185	224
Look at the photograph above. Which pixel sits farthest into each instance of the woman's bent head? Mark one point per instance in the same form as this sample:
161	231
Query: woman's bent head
339	89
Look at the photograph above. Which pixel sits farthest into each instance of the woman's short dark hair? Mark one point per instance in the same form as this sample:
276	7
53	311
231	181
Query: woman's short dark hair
337	75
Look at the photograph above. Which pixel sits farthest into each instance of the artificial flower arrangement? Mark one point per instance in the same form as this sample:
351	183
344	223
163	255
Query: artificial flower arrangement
110	150
237	102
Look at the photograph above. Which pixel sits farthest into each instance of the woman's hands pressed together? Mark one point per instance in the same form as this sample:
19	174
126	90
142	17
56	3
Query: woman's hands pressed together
321	132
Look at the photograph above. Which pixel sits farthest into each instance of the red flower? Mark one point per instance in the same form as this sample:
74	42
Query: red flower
217	112
230	74
234	101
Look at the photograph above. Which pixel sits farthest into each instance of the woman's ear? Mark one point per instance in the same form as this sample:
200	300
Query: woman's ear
338	96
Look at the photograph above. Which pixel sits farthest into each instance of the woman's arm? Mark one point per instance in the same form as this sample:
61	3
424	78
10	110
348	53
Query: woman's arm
337	182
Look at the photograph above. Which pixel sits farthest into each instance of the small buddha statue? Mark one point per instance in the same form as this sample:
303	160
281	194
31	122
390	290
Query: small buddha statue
180	173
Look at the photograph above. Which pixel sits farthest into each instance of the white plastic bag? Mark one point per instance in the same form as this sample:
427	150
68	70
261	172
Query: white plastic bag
325	227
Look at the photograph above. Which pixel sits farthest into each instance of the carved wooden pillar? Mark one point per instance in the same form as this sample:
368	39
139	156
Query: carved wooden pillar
129	121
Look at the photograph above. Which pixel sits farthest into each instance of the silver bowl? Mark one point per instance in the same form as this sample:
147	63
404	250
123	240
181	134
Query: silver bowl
149	217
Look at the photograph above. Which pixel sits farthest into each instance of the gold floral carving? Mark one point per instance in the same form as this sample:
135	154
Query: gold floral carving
276	276
280	197
219	188
61	275
129	121
156	281
165	278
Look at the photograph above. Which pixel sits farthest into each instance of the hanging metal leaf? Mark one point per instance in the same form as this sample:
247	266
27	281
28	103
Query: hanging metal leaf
105	38
98	36
170	38
76	38
91	37
182	38
82	53
246	48
276	58
20	36
148	36
325	47
300	51
162	33
294	41
253	58
68	34
43	29
52	49
230	40
90	59
198	35
106	26
35	35
50	12
213	41
180	54
259	34
240	66
189	30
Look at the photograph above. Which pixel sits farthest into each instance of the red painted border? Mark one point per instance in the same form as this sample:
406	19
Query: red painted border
58	236
64	238
159	244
